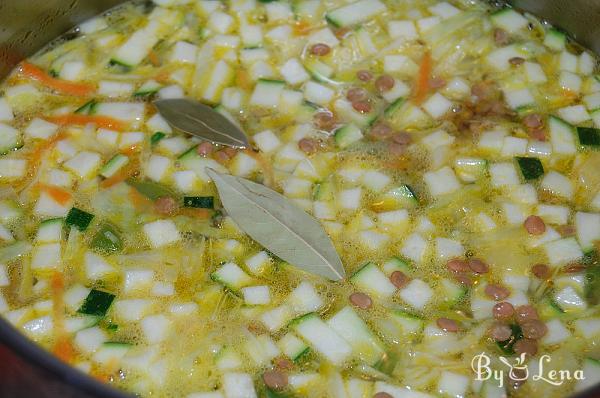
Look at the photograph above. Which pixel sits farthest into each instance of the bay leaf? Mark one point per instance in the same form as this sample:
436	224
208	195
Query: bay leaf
195	118
279	225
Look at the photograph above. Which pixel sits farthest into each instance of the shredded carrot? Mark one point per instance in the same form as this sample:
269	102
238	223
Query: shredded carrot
130	150
140	201
401	163
422	83
153	58
242	79
115	179
35	155
59	195
101	376
65	87
162	76
63	348
195	213
265	166
81	120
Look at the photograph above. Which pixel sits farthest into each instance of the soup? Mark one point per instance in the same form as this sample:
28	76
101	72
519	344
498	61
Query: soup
450	151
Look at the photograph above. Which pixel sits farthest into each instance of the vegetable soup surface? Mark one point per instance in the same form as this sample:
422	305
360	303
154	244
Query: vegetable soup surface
449	149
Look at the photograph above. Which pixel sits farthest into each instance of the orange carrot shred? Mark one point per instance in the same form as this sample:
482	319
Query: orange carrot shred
195	213
153	58
64	350
81	120
422	83
63	86
59	195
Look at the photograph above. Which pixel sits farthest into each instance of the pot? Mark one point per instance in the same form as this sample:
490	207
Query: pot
27	370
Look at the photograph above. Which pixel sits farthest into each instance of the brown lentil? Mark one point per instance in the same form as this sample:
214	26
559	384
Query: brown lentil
320	49
534	329
525	313
541	271
503	310
447	325
534	225
497	292
275	379
364	75
478	266
384	83
399	279
361	300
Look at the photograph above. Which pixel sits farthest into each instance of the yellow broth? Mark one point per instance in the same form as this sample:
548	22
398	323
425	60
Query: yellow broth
474	88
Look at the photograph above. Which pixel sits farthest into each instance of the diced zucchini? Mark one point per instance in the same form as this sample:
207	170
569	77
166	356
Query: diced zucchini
84	164
509	20
10	139
214	81
399	325
306	9
396	198
111	352
555	40
107	239
320	71
304	298
88	108
393	107
396	264
79	219
267	93
293	347
115	164
324	191
137	47
15	250
531	168
568	300
201	202
147	89
588	230
372	280
231	276
191	160
347	135
322	338
549	309
592	284
156	137
50	230
452	292
562	136
470	169
96	303
410	324
227	359
77	323
589	137
161	233
355	331
355	13
347	113
9	210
